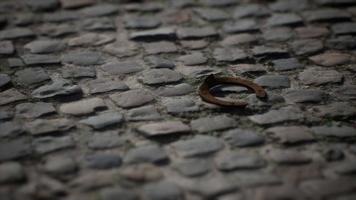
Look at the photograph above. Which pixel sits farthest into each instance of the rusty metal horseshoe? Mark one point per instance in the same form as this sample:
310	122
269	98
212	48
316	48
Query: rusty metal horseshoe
211	81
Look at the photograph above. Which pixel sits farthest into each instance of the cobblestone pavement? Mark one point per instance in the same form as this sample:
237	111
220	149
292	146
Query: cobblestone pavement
99	100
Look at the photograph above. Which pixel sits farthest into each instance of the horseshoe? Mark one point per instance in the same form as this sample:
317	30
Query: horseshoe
211	81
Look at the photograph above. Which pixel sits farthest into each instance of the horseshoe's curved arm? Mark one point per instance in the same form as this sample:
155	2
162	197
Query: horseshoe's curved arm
211	81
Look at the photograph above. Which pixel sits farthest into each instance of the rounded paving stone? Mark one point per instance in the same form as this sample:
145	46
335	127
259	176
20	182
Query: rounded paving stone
243	138
132	98
163	128
160	76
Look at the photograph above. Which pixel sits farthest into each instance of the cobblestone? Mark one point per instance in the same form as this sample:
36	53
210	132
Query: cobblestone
99	99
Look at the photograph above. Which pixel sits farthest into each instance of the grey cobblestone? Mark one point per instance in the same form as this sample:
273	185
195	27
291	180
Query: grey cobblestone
99	99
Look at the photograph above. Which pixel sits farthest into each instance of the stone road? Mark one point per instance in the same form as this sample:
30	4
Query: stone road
98	100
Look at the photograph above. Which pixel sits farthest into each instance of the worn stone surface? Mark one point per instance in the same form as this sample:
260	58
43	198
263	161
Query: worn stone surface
243	138
11	172
99	99
160	76
212	123
11	95
304	96
143	113
199	145
236	161
58	87
273	81
31	76
132	98
277	116
44	126
105	140
318	76
34	110
83	107
291	134
149	153
103	120
163	128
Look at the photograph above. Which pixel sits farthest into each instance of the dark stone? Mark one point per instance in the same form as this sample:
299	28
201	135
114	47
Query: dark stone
11	129
48	144
273	81
211	14
307	46
15	33
10	96
163	128
192	167
236	161
31	76
333	154
289	5
143	154
144	113
70	71
288	157
161	33
243	138
278	34
326	15
117	193
103	161
199	145
286	64
11	172
195	58
160	47
250	10
37	59
288	19
105	140
160	76
318	76
100	10
105	85
261	51
41	5
215	123
177	106
344	28
191	32
98	24
291	134
34	110
59	87
6	48
240	26
277	116
176	90
341	42
158	62
45	46
103	120
14	149
121	68
82	58
4	80
45	126
132	98
60	165
142	22
162	190
304	96
334	131
229	54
